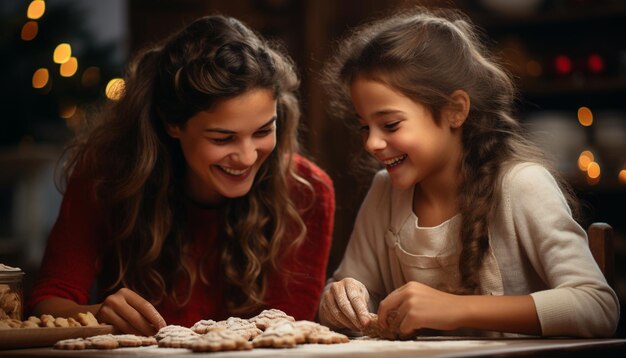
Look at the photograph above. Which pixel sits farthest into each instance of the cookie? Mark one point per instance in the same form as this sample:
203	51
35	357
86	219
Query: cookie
266	318
282	334
374	330
174	336
46	321
128	340
217	341
61	322
72	344
103	341
204	326
326	337
87	319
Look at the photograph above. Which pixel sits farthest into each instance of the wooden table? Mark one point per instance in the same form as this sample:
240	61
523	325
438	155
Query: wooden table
443	347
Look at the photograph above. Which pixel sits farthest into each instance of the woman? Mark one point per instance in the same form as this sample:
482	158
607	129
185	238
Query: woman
187	201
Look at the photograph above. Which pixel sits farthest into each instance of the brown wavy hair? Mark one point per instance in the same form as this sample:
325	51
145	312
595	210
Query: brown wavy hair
427	54
139	170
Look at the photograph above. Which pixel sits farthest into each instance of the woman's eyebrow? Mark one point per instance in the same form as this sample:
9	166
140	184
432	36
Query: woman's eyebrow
228	131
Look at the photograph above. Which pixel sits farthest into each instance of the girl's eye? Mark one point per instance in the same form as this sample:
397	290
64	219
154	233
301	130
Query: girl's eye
392	125
364	129
222	140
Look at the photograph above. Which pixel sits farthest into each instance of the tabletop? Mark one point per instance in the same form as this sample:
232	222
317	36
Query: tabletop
444	347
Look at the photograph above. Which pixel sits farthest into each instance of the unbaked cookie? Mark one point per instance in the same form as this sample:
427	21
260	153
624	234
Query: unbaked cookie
282	334
266	318
223	340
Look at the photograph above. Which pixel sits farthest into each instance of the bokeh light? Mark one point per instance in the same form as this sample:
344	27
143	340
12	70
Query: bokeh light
533	68
36	9
585	158
585	117
114	89
68	69
40	78
593	170
90	77
67	110
62	53
29	30
622	176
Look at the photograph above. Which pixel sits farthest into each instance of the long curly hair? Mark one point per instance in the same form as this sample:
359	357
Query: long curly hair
427	54
139	169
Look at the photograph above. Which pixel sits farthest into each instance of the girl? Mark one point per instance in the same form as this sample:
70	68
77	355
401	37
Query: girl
467	228
188	200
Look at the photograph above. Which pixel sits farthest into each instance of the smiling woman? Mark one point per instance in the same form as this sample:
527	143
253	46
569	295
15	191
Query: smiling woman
186	199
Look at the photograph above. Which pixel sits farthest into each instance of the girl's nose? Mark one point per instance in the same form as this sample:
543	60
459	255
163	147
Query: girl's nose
374	142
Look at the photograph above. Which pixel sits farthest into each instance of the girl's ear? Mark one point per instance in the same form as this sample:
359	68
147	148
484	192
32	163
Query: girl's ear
459	108
173	130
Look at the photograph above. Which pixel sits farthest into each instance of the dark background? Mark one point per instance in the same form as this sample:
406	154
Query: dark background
564	54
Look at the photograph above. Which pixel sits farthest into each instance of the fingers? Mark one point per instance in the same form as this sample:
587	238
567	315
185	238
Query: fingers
358	296
341	295
388	305
145	309
331	313
131	313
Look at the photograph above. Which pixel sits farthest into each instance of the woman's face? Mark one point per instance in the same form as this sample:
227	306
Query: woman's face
225	146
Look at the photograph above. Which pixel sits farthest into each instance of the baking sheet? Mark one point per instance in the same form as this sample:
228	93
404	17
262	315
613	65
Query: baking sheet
11	338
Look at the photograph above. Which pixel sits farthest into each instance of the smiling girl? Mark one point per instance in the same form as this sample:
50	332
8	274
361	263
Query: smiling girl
465	231
188	200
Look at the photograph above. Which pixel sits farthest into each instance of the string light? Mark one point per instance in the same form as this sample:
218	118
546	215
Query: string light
622	176
68	69
585	158
62	53
115	89
40	78
585	117
29	30
36	9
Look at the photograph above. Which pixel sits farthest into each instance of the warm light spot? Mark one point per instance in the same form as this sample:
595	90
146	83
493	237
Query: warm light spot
91	76
585	117
533	68
595	63
593	170
114	89
585	158
622	176
563	65
68	69
40	78
62	53
67	110
36	9
29	30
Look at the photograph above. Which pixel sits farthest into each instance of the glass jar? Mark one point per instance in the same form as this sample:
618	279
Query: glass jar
11	297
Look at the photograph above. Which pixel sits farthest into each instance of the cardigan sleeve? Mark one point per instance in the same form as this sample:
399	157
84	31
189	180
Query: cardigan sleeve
69	264
579	302
365	258
296	290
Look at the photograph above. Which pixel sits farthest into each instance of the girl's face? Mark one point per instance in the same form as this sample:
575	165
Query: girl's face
225	146
401	133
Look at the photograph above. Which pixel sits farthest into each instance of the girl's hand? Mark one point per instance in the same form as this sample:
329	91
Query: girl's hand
344	305
415	306
130	313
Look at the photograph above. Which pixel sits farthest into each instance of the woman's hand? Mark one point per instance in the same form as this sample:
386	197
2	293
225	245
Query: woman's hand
415	306
344	305
130	313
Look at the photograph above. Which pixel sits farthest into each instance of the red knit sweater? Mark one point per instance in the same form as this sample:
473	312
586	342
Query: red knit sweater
69	268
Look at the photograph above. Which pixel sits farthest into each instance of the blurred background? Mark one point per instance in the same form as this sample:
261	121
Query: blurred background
60	57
